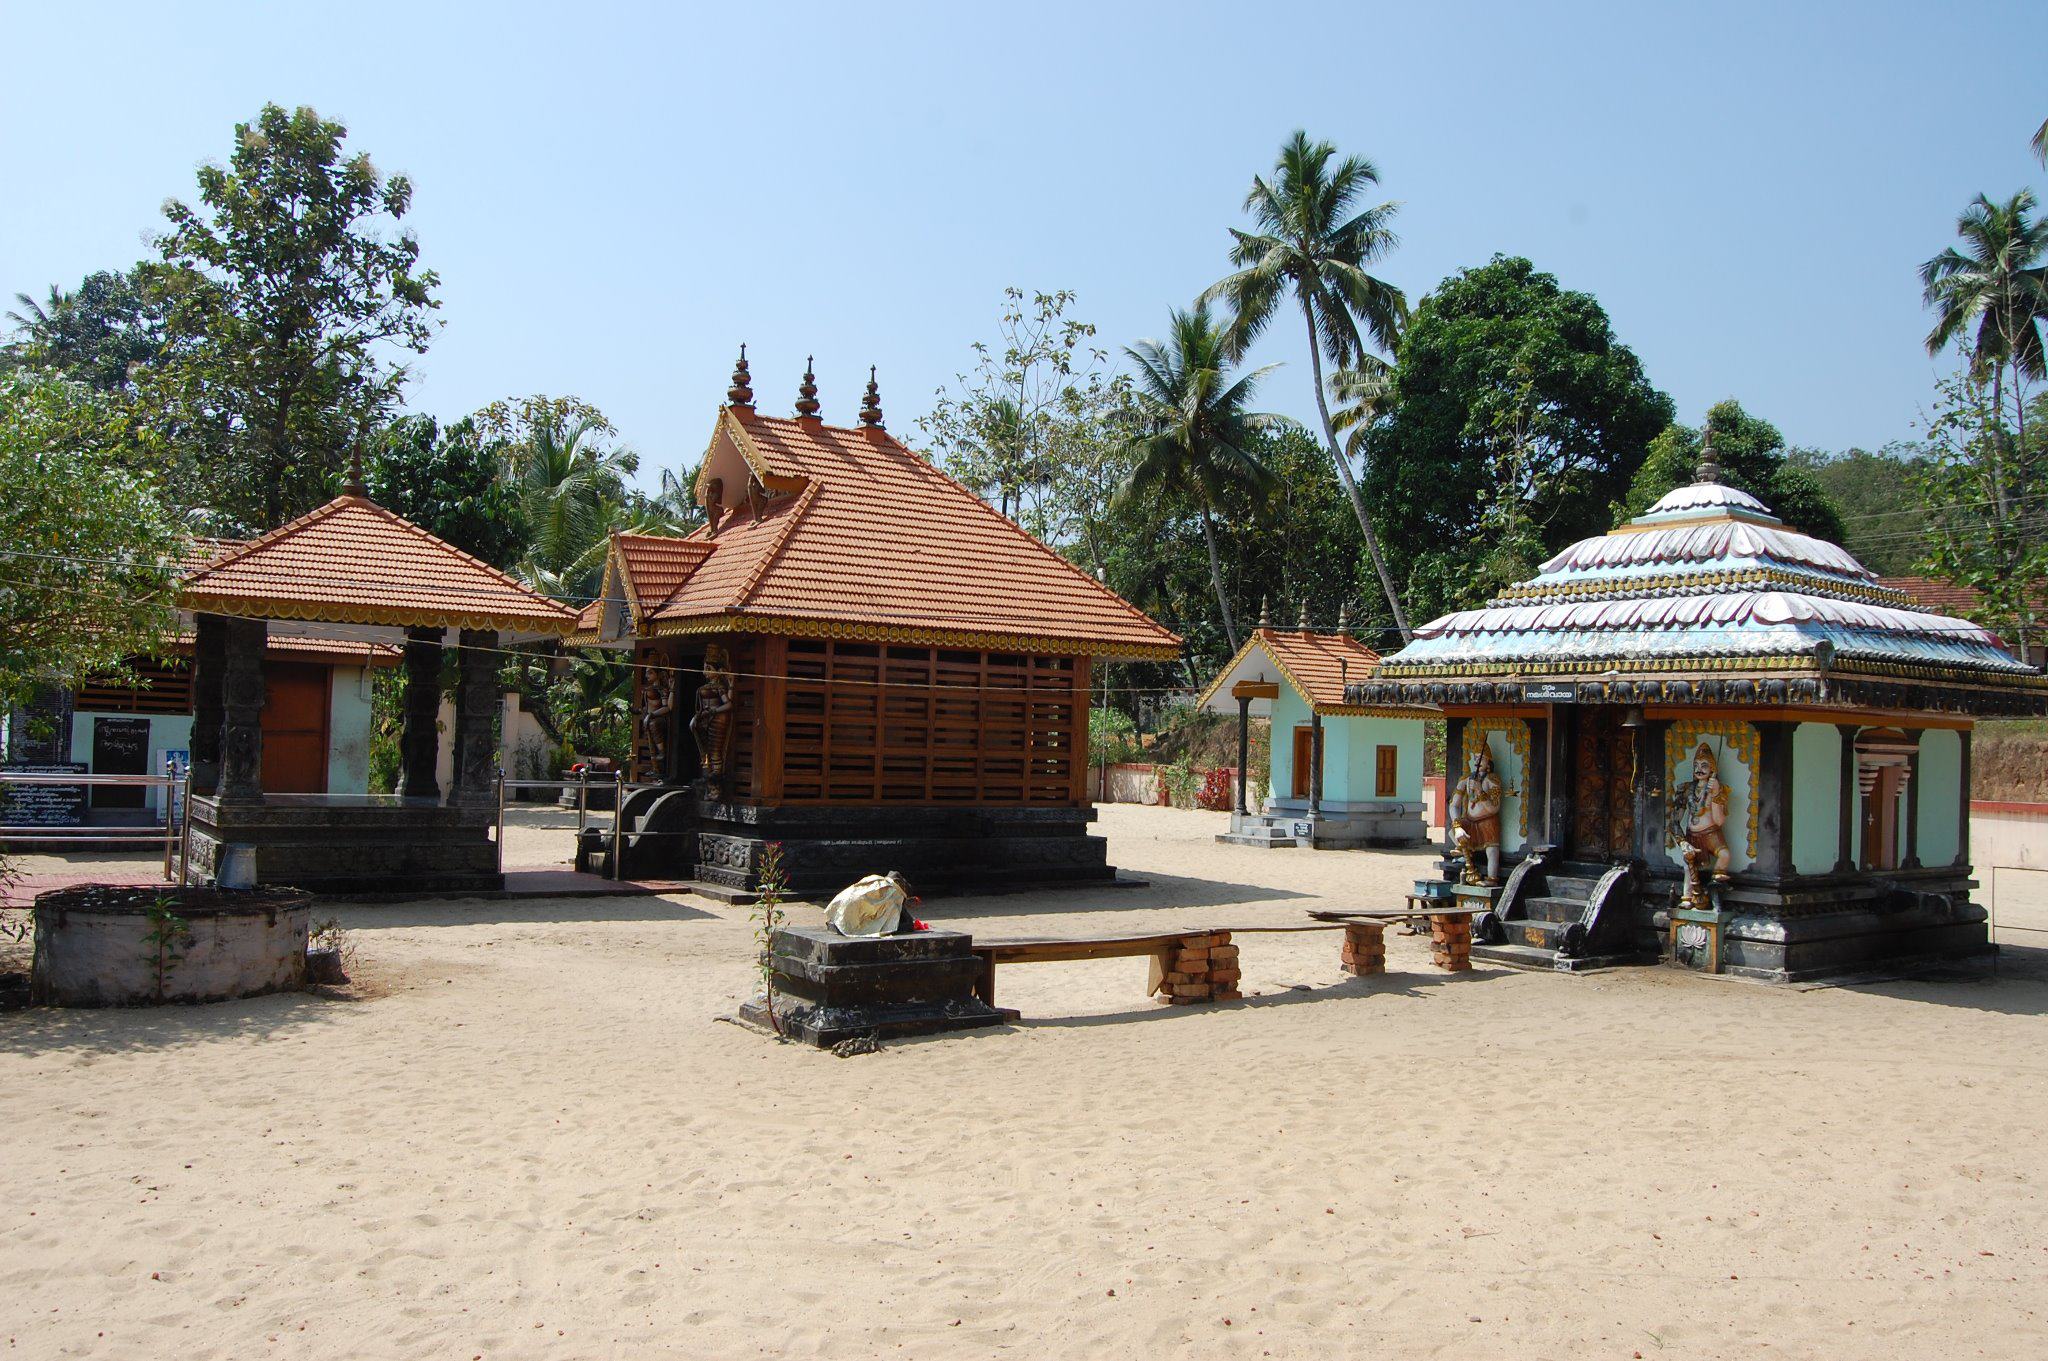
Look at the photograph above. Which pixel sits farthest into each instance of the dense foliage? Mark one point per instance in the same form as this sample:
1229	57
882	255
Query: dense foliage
1753	457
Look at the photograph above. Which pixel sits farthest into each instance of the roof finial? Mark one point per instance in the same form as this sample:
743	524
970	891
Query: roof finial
1710	462
1265	611
1344	617
1302	623
807	393
354	486
871	404
741	393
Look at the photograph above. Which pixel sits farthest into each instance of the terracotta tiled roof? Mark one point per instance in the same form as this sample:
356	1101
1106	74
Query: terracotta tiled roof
652	566
352	561
1936	595
872	541
1318	665
333	651
589	631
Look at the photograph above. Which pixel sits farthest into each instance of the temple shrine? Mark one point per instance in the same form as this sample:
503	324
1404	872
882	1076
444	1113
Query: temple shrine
1338	775
858	659
1709	738
350	574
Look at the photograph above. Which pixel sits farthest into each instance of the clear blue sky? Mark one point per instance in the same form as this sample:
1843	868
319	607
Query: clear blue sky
616	196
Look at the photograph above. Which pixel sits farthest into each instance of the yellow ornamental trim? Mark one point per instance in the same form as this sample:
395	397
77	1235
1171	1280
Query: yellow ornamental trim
787	627
244	607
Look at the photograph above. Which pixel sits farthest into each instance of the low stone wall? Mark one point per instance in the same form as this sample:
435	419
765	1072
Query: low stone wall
109	946
2009	857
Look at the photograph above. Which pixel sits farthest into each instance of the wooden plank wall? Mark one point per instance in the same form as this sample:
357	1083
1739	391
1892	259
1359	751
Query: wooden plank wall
867	723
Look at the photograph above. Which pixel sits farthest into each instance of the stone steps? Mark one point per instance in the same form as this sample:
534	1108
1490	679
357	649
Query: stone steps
1555	908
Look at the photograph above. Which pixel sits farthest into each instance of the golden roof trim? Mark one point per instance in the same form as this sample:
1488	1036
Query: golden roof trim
981	640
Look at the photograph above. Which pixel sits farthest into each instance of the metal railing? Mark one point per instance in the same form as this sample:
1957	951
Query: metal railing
173	831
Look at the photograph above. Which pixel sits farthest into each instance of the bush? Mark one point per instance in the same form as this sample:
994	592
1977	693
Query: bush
1217	793
1112	738
1179	783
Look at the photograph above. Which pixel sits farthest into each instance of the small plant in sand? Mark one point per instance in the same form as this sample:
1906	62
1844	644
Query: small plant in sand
767	914
1179	783
165	940
328	935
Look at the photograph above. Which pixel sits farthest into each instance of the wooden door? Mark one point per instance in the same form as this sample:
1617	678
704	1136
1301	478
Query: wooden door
1881	818
1603	785
295	727
1304	760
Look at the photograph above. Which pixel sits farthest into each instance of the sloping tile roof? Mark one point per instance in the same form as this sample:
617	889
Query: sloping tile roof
880	544
354	562
653	566
333	651
1317	665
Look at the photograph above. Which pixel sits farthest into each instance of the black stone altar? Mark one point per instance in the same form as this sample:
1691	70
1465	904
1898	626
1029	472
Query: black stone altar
830	987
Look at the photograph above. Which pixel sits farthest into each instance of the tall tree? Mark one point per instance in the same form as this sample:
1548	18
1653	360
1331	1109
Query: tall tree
1753	458
451	480
1984	490
1199	442
1884	515
1515	419
570	479
1313	243
96	334
285	297
1991	292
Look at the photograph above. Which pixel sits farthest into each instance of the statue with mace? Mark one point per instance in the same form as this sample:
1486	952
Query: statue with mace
712	726
1697	824
1475	813
657	703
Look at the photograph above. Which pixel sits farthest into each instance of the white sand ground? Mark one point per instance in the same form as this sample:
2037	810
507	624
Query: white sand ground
523	1134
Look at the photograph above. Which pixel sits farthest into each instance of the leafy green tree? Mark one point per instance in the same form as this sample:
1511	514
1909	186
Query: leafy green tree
1884	520
283	297
1515	419
1313	244
451	481
89	553
97	334
1991	295
1035	428
1985	490
1197	439
570	478
1752	456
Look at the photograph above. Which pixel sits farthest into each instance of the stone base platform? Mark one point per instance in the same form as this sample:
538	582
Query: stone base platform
830	987
374	844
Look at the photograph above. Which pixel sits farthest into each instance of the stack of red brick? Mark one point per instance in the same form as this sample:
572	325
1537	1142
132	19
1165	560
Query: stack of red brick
1450	942
1200	969
1365	948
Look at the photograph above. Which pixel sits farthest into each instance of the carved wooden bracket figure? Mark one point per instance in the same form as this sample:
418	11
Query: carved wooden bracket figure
712	726
657	704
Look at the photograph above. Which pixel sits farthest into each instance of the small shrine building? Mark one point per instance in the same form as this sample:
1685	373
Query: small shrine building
858	659
1339	775
1709	737
349	574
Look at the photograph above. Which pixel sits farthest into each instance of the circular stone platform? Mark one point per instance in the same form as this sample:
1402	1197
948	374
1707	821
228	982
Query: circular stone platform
112	945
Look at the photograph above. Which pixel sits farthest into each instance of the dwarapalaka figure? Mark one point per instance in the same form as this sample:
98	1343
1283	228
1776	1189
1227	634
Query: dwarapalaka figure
657	702
1475	812
1698	824
712	725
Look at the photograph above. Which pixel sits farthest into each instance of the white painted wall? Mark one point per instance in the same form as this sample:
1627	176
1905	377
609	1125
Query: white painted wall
348	731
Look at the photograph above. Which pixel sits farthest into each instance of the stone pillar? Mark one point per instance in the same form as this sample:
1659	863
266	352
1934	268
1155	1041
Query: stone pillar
1454	771
1909	835
1315	768
241	733
1963	804
476	711
419	743
1650	812
1773	858
1554	786
1244	750
209	658
1845	834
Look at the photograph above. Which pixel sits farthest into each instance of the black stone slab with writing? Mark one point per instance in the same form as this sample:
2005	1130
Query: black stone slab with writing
43	805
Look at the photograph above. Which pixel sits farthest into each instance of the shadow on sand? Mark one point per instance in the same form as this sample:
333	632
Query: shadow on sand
623	907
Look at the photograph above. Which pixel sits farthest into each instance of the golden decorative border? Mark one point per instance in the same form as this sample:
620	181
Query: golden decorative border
1516	730
1684	737
788	627
1815	582
246	607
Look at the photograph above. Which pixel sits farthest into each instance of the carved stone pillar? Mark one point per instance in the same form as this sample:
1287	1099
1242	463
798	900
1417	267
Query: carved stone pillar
208	663
1850	806
241	732
1651	815
477	700
1773	777
1244	749
419	741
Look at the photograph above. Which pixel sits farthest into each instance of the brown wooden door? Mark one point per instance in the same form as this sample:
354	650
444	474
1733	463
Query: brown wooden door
295	728
1881	819
1304	760
1603	785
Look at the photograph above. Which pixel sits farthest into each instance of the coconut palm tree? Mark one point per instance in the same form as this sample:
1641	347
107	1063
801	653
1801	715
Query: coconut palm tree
1312	243
1997	282
1363	395
572	492
1199	440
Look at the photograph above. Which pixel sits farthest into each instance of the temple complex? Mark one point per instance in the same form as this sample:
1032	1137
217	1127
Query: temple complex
1338	775
860	660
349	574
1705	736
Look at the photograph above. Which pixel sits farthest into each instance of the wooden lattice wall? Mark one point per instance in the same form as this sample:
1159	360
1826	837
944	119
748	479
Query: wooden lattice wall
866	723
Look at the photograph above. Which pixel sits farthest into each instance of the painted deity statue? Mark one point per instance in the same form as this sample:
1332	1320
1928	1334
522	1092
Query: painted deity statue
1475	812
1697	823
657	703
712	726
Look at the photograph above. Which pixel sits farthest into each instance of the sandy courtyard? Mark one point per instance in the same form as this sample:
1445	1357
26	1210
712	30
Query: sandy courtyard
524	1133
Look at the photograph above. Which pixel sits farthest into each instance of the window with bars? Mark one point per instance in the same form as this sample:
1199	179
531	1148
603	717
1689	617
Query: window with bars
159	687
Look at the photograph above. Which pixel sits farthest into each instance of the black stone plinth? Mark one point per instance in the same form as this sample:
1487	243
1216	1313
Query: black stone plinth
830	987
341	844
